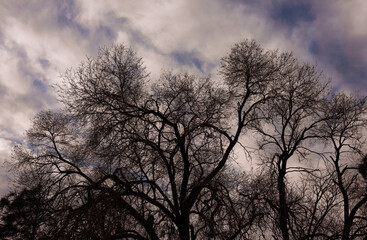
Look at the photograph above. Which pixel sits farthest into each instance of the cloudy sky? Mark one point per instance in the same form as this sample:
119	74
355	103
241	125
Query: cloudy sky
40	39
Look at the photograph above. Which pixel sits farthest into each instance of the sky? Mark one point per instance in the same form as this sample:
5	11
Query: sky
41	39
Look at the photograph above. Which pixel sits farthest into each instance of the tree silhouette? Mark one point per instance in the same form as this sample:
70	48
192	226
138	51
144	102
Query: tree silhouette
288	124
156	153
129	158
23	214
344	132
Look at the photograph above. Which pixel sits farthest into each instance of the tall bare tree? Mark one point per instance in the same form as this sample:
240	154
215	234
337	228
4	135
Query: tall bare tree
288	123
343	131
133	158
158	153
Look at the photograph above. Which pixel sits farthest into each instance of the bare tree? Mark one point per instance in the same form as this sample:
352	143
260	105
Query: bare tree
133	158
22	215
158	154
288	123
343	131
312	203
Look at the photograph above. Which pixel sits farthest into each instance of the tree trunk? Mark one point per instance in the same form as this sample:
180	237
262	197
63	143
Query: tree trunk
346	229
184	227
283	208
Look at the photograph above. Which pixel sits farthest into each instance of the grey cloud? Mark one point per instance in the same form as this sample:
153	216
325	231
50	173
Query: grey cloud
325	32
46	15
334	44
346	64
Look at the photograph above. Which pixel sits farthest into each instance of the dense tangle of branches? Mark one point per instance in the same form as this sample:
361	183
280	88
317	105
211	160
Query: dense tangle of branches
129	158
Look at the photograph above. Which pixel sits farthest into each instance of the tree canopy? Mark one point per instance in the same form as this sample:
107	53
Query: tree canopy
133	158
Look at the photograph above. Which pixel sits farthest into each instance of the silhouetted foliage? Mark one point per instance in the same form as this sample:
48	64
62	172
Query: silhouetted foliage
23	215
130	158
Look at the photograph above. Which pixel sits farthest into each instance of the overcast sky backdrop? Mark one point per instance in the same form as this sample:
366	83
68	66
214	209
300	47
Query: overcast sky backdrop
40	39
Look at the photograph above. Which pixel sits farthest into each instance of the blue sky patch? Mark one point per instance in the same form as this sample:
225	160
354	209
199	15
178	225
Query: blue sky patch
353	72
106	32
335	54
44	62
314	48
32	76
188	58
39	85
66	16
291	13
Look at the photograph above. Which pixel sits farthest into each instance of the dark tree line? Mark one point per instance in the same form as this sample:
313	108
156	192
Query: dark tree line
129	158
